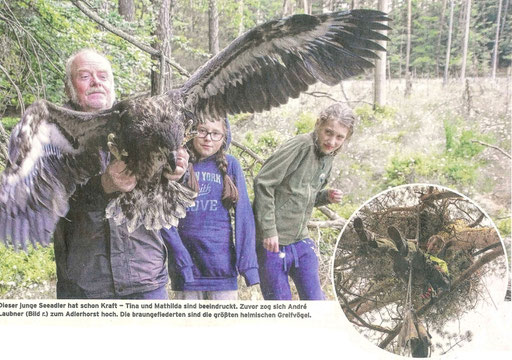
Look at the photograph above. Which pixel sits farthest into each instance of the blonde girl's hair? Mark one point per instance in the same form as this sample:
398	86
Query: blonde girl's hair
340	113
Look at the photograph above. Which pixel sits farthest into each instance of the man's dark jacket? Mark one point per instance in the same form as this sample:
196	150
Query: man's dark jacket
97	259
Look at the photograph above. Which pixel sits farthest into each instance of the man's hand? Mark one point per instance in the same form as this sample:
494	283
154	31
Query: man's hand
271	243
117	178
334	195
172	176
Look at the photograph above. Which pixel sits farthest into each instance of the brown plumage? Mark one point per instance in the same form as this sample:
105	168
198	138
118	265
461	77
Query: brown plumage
53	149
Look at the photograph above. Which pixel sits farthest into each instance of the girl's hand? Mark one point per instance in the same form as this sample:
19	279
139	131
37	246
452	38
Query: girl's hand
271	243
334	195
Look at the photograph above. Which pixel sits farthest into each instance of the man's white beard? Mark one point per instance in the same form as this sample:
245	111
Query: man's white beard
74	98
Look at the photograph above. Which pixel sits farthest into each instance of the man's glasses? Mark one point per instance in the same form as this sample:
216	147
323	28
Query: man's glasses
214	135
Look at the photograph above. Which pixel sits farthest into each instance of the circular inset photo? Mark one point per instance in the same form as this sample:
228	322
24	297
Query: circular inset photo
418	269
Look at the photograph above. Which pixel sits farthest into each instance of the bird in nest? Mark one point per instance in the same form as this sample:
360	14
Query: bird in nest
54	149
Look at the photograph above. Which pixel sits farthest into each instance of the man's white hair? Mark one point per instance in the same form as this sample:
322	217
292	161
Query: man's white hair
68	81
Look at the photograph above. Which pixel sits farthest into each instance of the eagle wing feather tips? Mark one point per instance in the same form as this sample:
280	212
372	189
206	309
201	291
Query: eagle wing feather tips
281	58
49	155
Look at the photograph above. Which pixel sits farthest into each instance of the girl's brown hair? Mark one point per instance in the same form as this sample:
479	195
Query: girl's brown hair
229	190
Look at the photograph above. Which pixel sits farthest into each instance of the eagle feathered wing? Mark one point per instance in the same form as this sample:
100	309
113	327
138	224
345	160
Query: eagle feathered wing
280	59
160	208
49	155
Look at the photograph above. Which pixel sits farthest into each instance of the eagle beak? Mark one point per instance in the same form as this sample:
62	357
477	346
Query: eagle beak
173	158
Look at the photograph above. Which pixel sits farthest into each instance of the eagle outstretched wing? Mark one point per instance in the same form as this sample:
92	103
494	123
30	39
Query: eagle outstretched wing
53	149
279	59
49	154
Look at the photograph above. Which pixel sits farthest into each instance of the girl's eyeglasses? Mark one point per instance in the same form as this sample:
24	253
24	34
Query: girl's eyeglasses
214	135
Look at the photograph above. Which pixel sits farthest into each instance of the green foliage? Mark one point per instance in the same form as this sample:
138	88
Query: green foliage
393	137
346	208
415	167
369	116
504	226
402	169
457	164
25	270
305	123
9	122
239	118
265	144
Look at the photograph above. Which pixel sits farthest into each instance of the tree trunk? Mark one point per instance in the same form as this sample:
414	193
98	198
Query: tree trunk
127	10
287	8
354	4
462	14
466	43
508	98
408	84
213	27
161	78
380	67
441	28
496	42
449	44
400	59
327	6
505	10
307	6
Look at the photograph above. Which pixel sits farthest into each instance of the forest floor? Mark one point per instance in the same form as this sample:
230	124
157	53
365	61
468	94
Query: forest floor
406	142
410	126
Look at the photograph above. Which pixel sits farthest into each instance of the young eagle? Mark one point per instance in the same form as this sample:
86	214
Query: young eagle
52	149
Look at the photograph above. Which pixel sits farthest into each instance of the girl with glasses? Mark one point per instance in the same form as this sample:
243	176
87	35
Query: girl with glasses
206	252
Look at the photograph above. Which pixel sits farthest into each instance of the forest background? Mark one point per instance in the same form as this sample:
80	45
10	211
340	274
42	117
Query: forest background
441	116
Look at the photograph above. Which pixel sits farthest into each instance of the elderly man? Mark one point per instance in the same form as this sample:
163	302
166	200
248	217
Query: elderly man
95	258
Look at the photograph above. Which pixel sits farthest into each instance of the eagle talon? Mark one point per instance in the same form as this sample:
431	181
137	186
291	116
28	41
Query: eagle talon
189	137
112	147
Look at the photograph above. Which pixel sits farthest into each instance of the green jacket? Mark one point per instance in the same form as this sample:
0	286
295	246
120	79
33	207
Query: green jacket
439	262
287	188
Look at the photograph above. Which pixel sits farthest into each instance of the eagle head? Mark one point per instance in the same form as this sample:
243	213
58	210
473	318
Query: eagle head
156	131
